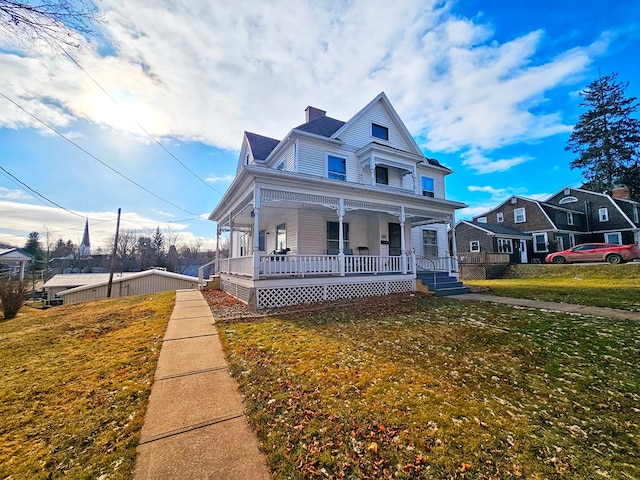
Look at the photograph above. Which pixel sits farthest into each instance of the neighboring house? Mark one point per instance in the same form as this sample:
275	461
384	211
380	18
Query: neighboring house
609	218
75	288
473	237
334	210
567	218
14	261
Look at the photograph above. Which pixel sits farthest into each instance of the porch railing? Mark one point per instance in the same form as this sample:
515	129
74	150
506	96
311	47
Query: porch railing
302	265
483	258
439	264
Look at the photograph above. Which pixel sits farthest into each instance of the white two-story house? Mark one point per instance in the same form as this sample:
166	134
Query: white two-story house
334	210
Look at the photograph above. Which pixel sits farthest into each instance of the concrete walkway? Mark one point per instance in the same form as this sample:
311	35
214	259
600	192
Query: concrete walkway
558	307
195	426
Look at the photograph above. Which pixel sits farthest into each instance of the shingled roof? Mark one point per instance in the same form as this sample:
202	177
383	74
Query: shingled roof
323	126
497	229
260	145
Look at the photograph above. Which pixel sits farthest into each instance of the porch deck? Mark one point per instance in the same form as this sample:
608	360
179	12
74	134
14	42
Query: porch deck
282	280
262	266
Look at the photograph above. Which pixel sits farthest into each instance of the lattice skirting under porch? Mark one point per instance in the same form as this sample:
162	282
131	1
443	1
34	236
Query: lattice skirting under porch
285	296
241	292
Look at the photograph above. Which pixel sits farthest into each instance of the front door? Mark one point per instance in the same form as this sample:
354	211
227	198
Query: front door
523	252
395	240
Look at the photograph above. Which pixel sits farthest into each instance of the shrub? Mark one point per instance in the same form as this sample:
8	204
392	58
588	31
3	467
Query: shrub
12	295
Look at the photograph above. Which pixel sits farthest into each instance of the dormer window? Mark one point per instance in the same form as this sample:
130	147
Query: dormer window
379	131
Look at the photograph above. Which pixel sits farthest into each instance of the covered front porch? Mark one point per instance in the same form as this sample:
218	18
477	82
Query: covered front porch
295	246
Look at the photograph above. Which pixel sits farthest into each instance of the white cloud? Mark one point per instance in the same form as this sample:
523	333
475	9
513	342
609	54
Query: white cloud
12	194
219	178
22	218
483	164
206	71
163	214
497	194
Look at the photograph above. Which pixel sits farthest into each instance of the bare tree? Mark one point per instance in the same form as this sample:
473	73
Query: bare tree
53	21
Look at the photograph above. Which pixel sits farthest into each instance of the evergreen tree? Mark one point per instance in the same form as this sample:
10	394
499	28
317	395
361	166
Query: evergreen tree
34	246
606	137
158	245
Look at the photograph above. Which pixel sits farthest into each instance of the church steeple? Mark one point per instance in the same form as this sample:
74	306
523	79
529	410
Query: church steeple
85	246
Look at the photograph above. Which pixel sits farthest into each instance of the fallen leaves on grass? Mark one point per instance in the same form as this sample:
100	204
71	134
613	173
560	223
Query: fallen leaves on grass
408	386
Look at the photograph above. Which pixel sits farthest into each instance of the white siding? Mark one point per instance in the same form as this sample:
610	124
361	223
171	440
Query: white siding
288	157
438	181
359	134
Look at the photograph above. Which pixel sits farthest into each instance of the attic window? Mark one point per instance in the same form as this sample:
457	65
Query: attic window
379	131
567	200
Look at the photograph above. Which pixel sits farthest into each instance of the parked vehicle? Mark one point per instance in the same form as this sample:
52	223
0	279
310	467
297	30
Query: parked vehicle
595	252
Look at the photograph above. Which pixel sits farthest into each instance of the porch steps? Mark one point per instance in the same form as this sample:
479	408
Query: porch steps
443	285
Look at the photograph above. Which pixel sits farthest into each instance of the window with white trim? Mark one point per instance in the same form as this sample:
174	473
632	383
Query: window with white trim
337	168
569	218
540	243
262	240
636	214
519	215
560	241
613	237
429	243
572	240
382	175
427	187
333	237
505	245
379	131
603	214
474	246
499	217
481	220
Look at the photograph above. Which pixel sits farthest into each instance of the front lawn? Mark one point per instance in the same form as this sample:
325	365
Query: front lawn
74	386
409	386
613	286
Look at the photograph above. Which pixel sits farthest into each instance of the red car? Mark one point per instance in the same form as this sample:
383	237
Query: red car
595	252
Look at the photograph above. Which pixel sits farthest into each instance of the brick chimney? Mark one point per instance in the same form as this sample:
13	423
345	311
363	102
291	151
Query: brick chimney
621	192
314	113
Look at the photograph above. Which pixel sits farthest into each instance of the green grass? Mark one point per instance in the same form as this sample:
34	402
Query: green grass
422	387
613	286
74	386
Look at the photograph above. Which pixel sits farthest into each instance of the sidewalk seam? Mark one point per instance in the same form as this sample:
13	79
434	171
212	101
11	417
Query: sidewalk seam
197	426
193	372
187	338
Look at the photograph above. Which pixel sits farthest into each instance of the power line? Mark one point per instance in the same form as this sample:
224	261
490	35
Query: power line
96	158
35	192
138	124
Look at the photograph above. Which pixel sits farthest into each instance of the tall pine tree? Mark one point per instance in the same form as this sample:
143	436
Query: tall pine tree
607	137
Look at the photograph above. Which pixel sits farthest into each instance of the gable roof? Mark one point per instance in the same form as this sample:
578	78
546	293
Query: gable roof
494	229
15	254
381	97
260	145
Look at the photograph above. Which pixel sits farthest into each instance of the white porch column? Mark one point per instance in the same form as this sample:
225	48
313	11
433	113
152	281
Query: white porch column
341	237
454	246
256	234
230	242
402	240
372	166
22	265
217	249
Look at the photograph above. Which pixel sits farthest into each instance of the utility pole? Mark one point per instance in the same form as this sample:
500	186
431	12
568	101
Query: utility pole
113	256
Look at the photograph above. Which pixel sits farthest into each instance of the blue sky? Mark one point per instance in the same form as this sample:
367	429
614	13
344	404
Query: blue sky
490	88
